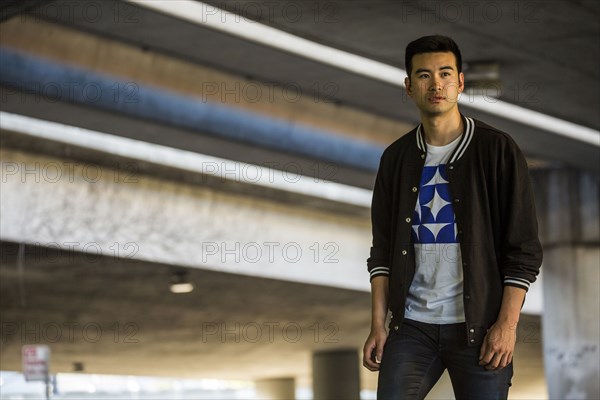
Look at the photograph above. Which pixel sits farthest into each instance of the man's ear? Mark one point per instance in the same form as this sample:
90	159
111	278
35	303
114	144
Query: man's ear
461	82
407	85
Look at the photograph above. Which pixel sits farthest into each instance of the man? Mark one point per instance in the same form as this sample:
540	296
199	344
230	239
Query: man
455	243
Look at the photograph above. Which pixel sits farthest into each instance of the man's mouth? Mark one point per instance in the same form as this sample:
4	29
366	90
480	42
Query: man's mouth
435	99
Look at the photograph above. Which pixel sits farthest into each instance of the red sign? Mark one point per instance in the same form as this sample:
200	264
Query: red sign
36	359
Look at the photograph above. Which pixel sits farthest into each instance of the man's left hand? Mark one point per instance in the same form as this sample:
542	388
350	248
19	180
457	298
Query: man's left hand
498	346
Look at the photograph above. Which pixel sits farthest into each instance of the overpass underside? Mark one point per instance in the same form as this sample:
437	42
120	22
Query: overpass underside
131	157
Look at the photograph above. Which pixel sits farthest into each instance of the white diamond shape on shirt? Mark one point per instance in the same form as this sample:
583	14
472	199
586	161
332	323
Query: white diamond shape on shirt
436	204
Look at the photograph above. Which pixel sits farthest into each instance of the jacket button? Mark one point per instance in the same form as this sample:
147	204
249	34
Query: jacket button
457	200
414	189
396	327
422	155
472	340
404	252
468	297
472	330
451	167
408	219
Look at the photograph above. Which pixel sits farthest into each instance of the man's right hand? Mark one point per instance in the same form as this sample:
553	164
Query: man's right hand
373	350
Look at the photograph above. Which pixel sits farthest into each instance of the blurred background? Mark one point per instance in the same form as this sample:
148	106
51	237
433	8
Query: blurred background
186	189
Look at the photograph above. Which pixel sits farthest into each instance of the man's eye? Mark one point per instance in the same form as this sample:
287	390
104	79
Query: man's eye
423	76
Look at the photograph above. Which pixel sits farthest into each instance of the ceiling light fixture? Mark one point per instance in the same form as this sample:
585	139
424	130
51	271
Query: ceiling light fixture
179	282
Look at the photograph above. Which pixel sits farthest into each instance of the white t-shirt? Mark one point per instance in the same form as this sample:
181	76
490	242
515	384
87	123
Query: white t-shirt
436	292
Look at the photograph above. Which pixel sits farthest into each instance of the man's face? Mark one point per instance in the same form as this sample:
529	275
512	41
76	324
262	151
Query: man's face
435	83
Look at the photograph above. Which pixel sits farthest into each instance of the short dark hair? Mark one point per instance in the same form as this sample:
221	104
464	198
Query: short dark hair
431	44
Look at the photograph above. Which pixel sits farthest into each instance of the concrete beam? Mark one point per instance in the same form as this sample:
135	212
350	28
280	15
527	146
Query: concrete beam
36	75
86	207
142	66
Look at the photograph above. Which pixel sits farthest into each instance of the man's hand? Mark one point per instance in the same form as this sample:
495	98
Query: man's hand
498	345
374	345
499	342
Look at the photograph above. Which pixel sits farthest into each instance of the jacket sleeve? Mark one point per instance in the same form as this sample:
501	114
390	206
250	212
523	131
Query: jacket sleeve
378	263
521	251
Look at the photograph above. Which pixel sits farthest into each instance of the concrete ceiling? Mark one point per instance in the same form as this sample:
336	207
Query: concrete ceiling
548	54
117	316
548	51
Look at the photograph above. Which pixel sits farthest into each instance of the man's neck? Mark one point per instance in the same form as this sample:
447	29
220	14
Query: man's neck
442	129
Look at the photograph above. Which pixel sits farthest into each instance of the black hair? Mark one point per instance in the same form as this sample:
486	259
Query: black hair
431	44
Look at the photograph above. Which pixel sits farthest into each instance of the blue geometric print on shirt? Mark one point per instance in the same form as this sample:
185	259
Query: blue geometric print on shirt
433	217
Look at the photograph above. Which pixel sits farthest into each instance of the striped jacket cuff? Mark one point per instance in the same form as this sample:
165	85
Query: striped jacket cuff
379	271
517	282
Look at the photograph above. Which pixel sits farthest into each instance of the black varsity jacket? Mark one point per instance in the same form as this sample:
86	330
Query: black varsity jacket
495	216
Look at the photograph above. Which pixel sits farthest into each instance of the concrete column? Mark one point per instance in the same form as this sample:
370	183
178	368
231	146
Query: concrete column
568	203
335	375
276	389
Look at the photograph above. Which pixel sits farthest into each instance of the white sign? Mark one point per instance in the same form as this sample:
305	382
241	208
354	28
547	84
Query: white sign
36	359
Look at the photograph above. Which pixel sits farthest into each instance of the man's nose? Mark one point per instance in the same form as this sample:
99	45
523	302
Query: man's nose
436	85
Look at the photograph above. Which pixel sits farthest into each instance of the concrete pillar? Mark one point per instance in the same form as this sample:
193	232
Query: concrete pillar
335	375
568	212
276	389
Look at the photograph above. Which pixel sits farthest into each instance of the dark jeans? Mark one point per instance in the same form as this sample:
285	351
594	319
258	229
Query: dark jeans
415	356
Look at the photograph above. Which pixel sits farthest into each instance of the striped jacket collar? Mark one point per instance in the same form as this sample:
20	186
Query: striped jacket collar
464	142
